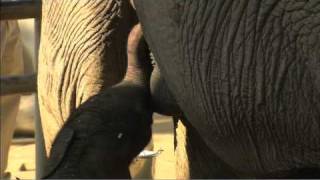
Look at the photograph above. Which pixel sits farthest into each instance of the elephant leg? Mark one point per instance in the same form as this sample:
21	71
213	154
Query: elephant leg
82	50
193	157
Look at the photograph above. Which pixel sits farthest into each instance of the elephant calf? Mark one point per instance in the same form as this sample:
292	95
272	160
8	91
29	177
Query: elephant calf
101	138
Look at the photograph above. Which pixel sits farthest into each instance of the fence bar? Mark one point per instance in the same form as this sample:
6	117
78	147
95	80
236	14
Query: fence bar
18	84
40	144
22	9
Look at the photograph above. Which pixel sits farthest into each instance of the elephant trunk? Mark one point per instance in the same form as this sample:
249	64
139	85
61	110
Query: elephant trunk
139	64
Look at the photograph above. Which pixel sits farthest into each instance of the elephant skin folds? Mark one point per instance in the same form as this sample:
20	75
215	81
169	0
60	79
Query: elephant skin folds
82	50
246	76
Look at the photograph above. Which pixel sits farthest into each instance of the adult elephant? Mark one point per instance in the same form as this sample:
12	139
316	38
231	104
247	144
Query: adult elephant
246	74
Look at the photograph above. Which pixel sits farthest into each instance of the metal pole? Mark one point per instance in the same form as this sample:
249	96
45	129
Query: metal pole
19	9
40	146
18	84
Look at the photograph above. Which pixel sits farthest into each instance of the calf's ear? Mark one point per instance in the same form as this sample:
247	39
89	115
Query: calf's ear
58	151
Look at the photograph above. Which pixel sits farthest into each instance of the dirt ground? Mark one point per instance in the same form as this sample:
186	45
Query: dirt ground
22	152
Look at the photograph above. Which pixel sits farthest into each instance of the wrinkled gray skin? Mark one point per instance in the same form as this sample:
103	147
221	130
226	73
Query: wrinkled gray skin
246	75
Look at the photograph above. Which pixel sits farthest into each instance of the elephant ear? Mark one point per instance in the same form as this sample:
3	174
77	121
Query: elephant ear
58	151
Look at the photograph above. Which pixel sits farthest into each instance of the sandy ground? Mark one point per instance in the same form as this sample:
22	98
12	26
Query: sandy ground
22	161
22	152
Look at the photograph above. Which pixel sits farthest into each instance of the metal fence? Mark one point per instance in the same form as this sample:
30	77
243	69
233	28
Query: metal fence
23	9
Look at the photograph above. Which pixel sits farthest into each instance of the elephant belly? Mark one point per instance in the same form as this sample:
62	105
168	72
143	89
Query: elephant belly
255	100
241	77
259	117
